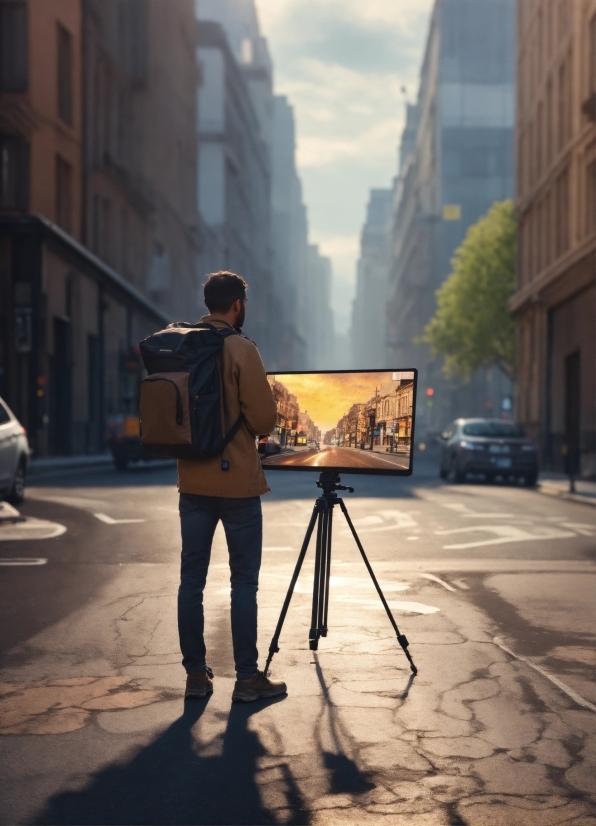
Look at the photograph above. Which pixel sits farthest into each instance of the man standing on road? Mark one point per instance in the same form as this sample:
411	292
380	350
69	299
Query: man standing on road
227	487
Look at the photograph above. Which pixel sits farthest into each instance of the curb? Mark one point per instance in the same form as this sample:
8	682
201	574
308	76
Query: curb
39	467
550	490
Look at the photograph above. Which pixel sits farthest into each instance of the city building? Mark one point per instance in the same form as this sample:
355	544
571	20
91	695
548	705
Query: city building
368	332
235	102
556	205
316	313
92	191
140	146
384	422
289	240
456	160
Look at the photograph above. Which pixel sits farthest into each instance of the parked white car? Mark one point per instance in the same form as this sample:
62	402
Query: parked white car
14	456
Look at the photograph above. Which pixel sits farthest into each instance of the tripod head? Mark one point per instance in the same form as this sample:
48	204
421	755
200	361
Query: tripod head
329	481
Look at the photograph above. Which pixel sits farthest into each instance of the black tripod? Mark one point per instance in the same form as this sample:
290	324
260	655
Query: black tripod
323	515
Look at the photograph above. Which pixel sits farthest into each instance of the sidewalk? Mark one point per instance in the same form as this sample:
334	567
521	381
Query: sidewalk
557	484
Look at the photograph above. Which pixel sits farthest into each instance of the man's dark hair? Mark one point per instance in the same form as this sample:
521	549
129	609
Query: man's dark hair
221	290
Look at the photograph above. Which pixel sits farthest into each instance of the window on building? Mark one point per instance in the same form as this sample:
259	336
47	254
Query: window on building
13	45
562	213
591	62
540	139
549	120
63	194
65	56
14	174
590	184
562	106
106	235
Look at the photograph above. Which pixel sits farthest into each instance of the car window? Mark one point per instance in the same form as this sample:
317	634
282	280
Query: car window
4	417
495	430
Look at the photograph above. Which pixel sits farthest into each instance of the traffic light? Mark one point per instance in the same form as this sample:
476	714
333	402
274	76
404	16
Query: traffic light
430	391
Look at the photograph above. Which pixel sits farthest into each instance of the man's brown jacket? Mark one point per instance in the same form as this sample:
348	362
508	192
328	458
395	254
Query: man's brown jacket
246	391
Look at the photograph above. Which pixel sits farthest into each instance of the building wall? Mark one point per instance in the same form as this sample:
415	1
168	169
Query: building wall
289	240
234	183
140	148
67	322
460	162
556	206
33	115
368	333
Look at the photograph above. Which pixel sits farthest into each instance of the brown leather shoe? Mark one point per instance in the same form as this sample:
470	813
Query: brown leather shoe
256	688
199	685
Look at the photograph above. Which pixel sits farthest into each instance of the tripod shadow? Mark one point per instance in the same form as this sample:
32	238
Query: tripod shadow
169	782
345	776
406	690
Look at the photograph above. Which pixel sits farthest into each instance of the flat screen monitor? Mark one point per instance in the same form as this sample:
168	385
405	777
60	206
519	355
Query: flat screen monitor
350	421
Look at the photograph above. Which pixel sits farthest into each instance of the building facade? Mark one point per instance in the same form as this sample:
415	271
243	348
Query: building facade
83	203
140	146
289	240
235	100
458	164
556	205
316	314
368	332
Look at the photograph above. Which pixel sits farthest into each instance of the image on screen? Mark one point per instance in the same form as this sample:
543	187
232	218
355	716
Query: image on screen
351	421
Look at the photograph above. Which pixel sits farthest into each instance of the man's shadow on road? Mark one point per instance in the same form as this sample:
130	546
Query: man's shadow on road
168	782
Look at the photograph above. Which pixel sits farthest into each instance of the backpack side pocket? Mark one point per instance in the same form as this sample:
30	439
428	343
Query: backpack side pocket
164	410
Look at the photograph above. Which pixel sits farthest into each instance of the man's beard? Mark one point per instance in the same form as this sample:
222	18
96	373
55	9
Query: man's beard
240	318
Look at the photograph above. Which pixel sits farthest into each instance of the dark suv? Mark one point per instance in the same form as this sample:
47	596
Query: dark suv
488	446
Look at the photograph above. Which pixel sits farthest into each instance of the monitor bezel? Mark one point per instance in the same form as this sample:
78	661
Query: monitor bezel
347	470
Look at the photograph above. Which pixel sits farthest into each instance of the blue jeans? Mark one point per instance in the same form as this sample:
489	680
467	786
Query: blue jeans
243	525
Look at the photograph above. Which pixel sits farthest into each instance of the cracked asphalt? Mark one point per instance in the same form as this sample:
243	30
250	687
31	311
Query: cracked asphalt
493	586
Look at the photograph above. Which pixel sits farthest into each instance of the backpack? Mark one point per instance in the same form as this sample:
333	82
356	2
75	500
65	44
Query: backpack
181	401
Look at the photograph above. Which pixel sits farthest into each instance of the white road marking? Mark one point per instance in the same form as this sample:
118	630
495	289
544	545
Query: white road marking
23	561
555	680
412	537
278	548
464	510
103	517
377	523
504	534
31	529
461	584
367	520
580	527
442	582
9	514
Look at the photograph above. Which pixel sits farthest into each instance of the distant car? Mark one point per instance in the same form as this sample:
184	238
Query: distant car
14	456
269	445
124	441
490	447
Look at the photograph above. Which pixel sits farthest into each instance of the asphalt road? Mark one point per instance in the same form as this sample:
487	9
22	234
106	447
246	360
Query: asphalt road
338	457
493	585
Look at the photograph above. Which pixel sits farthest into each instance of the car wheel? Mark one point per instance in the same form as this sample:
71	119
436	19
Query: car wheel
456	474
531	480
17	492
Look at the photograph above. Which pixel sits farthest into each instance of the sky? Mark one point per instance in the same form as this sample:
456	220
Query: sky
342	64
327	397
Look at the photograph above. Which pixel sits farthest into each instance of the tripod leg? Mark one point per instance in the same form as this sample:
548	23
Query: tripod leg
315	625
401	638
327	572
273	647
